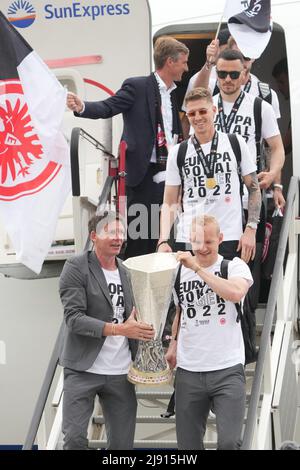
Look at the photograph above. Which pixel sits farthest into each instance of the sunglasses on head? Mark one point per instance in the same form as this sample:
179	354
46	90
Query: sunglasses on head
234	75
201	111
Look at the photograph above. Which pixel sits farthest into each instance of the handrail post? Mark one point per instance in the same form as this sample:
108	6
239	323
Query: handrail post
270	310
74	147
121	198
43	395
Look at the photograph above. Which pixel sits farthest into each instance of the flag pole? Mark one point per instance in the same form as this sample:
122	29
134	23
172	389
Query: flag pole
219	25
221	19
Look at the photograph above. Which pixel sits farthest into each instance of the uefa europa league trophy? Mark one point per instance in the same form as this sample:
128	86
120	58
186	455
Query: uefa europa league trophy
152	279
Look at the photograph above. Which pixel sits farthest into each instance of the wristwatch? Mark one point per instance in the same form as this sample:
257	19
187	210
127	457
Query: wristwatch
252	225
277	186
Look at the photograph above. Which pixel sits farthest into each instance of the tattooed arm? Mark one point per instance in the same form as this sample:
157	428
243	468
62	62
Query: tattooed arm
247	242
254	202
277	158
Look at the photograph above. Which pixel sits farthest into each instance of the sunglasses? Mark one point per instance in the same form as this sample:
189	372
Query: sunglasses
234	75
201	111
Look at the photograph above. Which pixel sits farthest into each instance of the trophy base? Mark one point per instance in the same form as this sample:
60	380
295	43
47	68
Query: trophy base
138	377
150	366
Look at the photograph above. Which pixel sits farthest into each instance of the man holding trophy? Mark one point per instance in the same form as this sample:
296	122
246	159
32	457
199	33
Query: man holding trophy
100	338
207	342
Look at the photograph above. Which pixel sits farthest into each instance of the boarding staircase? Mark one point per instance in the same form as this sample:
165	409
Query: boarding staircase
156	432
272	383
152	430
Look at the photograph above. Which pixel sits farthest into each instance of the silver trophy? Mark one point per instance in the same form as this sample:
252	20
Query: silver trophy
152	279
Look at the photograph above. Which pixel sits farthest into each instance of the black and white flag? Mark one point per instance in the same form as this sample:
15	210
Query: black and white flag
34	155
251	27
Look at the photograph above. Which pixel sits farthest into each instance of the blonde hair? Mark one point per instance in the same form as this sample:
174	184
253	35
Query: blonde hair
204	220
199	93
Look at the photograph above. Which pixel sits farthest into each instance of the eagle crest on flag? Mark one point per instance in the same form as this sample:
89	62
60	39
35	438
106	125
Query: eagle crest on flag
24	166
18	145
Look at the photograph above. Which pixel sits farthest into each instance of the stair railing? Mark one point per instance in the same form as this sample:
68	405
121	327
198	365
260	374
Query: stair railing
258	429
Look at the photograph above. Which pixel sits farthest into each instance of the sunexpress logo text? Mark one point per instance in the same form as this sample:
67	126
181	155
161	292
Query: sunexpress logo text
79	10
21	13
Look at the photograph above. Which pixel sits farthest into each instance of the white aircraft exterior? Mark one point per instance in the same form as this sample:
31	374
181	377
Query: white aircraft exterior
92	46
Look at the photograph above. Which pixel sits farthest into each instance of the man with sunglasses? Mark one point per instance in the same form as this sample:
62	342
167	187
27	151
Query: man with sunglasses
253	85
236	114
209	183
206	77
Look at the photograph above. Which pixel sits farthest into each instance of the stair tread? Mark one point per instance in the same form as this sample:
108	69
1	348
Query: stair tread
163	395
141	419
150	444
153	420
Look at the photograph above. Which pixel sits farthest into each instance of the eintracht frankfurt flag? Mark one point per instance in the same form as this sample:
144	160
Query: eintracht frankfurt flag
34	156
251	27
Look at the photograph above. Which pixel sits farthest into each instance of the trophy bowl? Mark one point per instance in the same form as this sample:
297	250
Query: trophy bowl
152	279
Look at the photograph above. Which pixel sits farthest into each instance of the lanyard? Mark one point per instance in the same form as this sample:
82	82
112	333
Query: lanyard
208	162
225	126
247	86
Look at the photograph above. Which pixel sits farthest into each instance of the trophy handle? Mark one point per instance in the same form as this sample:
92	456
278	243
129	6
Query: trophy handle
165	313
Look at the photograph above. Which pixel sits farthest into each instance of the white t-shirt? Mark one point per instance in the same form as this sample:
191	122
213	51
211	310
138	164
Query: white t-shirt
244	123
224	201
114	357
254	90
209	337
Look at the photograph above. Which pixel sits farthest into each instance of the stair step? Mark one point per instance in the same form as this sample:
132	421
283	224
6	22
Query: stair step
142	419
167	395
153	420
147	444
154	395
261	305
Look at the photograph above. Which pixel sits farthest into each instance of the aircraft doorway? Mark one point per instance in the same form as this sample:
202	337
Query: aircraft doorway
197	37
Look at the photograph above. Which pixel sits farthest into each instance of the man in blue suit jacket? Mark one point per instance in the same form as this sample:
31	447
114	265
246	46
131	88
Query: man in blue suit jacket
100	338
151	126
